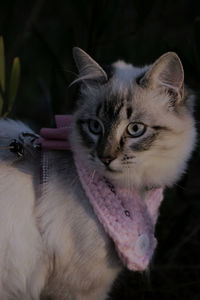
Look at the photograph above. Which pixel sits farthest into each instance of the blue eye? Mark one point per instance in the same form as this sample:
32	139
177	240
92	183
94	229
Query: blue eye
136	129
94	126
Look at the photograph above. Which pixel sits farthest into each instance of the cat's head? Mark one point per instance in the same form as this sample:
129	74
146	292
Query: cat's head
135	126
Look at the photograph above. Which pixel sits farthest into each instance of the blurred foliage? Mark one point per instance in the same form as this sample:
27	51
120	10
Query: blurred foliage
7	98
42	33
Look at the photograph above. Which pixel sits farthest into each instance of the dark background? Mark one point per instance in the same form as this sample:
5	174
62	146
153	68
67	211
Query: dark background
42	33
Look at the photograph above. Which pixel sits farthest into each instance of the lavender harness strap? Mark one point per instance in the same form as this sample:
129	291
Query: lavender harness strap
127	219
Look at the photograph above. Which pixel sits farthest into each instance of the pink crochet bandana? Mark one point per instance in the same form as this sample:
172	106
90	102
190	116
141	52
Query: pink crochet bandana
126	217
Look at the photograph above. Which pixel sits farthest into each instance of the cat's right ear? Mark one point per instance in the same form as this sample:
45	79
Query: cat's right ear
89	70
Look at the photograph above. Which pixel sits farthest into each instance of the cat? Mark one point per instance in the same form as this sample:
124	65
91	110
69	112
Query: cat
132	125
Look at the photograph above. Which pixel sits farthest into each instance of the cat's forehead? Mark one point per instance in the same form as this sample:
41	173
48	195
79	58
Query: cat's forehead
122	101
123	87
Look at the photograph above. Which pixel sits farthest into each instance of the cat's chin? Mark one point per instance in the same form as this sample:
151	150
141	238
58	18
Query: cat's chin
119	179
122	179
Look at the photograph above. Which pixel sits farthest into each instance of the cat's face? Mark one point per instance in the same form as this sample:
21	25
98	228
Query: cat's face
132	132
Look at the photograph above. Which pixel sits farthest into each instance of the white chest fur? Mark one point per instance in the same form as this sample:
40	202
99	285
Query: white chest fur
52	245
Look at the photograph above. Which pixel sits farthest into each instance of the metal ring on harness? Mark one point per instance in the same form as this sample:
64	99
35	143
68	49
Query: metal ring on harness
26	140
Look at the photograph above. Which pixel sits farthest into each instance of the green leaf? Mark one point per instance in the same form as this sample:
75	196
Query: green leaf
14	83
2	64
2	72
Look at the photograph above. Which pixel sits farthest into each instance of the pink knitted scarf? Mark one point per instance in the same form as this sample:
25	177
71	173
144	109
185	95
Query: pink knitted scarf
126	217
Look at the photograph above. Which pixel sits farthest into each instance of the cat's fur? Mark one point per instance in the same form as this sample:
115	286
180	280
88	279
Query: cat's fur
51	243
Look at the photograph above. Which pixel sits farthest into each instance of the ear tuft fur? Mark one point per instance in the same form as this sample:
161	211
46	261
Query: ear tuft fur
89	69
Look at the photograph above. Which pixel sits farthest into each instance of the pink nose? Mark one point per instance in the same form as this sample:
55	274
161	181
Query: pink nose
106	159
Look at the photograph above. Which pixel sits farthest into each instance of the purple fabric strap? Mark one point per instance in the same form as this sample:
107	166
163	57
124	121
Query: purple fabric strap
57	138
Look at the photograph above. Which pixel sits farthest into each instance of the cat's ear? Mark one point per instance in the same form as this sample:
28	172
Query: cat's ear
167	72
89	70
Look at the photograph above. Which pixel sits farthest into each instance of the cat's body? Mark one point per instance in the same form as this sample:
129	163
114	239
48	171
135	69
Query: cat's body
51	242
53	245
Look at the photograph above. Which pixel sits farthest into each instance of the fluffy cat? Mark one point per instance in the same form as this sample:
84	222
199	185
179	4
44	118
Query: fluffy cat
134	126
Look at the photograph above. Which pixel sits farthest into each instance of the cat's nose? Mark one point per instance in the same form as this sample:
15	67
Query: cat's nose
106	159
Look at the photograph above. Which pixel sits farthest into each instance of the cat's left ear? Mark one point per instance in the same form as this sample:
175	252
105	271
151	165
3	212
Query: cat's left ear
167	72
89	69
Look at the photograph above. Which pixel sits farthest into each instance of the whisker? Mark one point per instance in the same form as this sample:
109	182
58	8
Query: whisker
92	176
128	163
181	187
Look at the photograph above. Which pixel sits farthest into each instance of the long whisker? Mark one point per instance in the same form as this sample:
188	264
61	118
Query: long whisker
92	176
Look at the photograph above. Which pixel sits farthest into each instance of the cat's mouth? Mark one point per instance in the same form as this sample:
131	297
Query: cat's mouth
109	169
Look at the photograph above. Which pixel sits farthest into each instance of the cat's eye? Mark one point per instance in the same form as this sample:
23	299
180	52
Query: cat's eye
136	129
94	126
